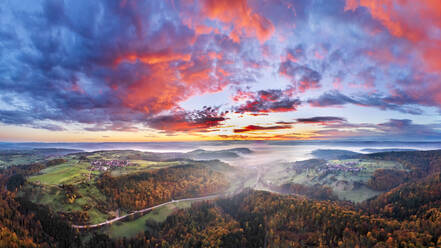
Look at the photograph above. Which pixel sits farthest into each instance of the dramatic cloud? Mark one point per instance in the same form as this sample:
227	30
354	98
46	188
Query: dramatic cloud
265	101
321	120
336	99
251	128
333	98
399	18
238	16
406	128
139	65
418	23
393	129
194	121
122	68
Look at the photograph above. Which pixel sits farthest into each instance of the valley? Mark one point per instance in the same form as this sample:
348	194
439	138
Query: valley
115	195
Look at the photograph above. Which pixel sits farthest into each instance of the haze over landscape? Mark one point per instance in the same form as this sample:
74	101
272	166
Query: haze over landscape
220	123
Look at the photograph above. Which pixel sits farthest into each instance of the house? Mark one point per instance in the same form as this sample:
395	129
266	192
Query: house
104	165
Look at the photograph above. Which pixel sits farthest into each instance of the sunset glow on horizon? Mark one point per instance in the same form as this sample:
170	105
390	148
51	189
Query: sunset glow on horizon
193	70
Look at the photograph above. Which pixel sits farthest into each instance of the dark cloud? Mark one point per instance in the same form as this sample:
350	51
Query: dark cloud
417	89
121	65
265	101
285	122
251	128
406	128
195	121
108	64
22	119
50	127
335	98
14	117
393	129
321	119
113	126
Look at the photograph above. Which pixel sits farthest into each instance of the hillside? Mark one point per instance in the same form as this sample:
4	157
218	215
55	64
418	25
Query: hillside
262	219
42	200
89	188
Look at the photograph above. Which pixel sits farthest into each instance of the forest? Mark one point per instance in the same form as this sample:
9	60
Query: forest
407	215
134	192
263	219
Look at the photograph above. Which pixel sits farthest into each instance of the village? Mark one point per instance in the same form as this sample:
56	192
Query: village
346	167
104	165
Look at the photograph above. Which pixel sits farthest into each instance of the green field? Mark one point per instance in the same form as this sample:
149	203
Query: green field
54	198
346	185
132	227
137	166
70	172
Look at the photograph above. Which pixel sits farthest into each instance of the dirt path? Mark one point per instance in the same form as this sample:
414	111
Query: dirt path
143	211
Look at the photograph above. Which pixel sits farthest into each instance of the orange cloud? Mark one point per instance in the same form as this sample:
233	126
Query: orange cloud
144	94
170	77
241	18
251	128
155	57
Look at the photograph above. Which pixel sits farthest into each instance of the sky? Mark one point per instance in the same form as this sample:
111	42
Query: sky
188	70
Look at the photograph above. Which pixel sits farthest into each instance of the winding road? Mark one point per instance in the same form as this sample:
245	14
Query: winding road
143	211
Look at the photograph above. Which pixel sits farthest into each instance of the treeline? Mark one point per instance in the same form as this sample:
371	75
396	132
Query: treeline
138	191
14	177
19	171
55	161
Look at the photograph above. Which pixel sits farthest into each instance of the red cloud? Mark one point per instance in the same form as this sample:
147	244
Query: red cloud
165	78
196	121
155	57
144	94
251	128
321	120
242	95
243	19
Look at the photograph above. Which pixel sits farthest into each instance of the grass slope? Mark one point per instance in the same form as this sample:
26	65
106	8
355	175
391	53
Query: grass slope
132	227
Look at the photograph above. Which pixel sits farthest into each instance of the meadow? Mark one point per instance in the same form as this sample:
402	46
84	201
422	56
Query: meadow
132	227
347	184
